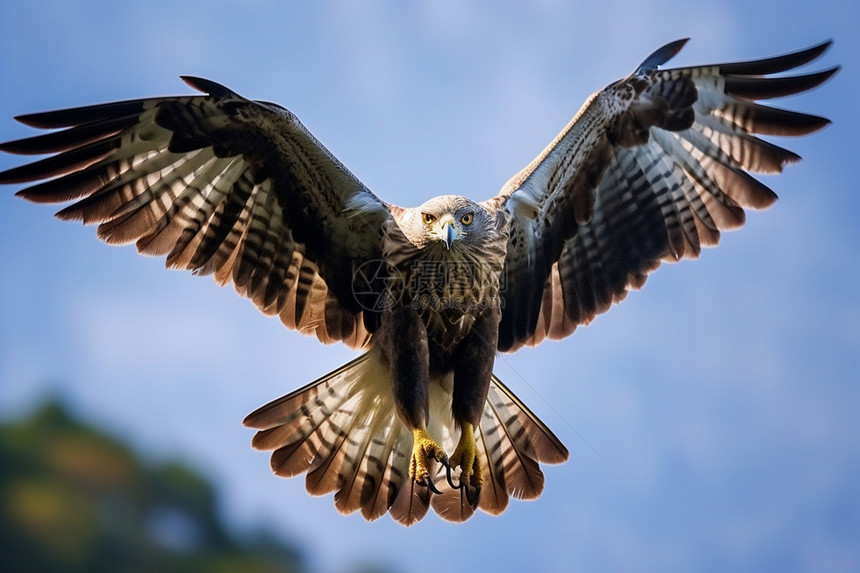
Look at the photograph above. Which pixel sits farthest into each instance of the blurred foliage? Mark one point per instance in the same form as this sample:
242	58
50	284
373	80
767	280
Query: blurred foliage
73	499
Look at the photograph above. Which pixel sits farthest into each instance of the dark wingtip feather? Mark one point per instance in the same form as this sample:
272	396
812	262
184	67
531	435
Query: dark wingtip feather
819	124
208	86
67	139
61	164
661	55
13	147
35	120
80	115
766	88
777	63
800	124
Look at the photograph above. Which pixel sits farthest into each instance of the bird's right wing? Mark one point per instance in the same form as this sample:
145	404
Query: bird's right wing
221	185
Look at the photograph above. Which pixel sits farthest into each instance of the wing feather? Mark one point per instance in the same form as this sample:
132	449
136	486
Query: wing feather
651	169
222	186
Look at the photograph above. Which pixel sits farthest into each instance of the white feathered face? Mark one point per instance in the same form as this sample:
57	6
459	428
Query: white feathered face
450	222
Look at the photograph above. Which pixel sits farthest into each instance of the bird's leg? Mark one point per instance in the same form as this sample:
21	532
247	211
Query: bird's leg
473	371
425	448
466	456
403	339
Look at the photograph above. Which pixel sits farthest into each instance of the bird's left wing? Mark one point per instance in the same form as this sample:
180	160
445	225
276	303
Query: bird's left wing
221	185
650	169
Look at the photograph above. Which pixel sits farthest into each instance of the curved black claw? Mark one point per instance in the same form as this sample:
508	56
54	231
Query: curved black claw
448	475
428	483
472	494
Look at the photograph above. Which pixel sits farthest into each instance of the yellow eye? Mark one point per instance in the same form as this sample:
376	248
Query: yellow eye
428	218
467	218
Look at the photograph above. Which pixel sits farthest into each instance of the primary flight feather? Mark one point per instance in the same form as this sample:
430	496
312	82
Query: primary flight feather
650	169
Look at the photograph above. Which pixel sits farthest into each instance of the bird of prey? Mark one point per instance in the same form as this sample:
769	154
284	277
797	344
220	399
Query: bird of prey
650	169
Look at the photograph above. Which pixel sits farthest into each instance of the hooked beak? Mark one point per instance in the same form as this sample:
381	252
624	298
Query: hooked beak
448	234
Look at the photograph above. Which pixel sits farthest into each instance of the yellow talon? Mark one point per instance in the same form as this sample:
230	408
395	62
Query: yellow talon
424	448
466	456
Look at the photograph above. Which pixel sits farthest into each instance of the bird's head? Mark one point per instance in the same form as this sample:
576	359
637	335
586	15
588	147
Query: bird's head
449	221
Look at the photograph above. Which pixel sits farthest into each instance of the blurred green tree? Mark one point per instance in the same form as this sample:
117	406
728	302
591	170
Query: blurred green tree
73	499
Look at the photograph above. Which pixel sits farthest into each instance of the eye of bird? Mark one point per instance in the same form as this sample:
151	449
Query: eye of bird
467	218
428	218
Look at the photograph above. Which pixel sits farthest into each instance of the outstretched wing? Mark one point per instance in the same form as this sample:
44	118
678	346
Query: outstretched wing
221	185
651	169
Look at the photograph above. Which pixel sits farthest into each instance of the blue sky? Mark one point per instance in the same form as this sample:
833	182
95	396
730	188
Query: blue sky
711	417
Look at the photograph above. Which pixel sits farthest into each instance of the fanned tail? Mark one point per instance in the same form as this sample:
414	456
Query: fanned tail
342	430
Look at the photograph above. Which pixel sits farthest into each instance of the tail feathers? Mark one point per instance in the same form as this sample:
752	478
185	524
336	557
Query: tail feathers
342	430
299	427
512	442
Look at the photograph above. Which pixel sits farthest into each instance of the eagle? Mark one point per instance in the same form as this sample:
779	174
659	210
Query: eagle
651	169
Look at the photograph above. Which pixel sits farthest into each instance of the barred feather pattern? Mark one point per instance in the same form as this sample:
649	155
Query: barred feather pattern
342	432
202	181
650	170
